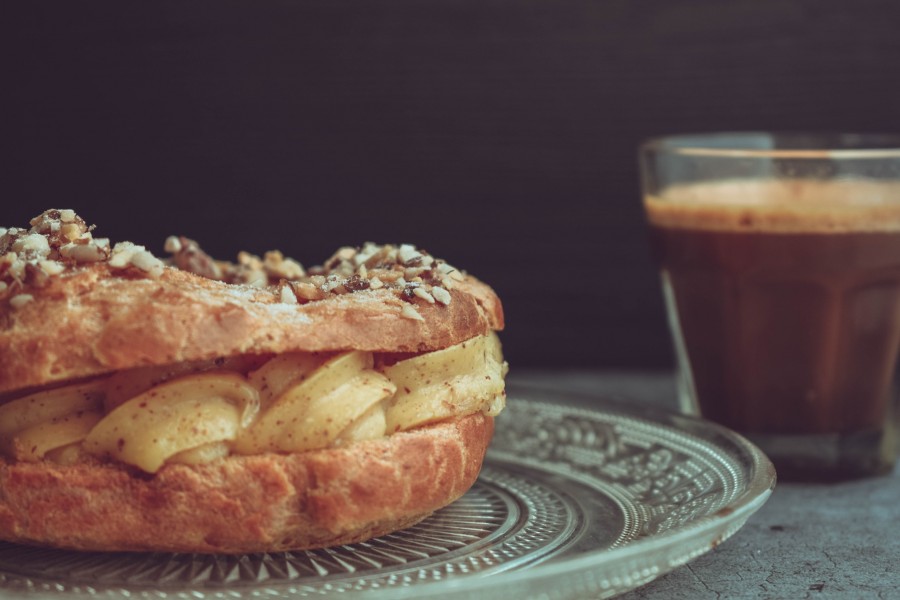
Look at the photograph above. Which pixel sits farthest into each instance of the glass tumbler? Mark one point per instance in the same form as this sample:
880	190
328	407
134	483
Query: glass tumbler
780	264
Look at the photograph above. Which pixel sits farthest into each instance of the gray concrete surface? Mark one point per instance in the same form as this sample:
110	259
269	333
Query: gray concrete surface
817	541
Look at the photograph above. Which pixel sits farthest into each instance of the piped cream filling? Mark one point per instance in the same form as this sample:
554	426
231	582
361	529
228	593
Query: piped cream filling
199	412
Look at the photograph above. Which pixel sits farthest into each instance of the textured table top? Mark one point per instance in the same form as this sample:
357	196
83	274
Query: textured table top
817	541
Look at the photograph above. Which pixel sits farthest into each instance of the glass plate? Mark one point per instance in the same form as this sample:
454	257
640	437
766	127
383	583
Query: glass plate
579	497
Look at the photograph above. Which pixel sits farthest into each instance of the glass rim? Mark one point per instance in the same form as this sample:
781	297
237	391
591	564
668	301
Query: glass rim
815	145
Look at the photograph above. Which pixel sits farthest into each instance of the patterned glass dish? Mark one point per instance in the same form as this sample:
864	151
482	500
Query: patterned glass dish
579	497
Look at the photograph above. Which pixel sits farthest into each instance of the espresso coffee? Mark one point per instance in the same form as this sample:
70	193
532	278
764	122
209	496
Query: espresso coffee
788	299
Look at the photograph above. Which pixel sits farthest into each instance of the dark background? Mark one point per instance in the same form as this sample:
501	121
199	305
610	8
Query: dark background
498	134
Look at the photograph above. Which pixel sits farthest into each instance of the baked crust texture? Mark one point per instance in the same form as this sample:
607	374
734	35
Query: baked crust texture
75	307
261	503
86	321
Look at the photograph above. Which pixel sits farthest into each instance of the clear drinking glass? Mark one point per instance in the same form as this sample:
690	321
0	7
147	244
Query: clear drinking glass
780	263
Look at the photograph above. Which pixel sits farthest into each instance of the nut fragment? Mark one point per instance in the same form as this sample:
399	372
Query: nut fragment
409	312
408	255
276	265
126	254
173	245
346	253
70	231
287	294
52	267
67	215
13	265
32	245
7	261
20	300
191	258
332	282
367	252
356	283
145	261
423	294
308	291
391	276
86	253
441	295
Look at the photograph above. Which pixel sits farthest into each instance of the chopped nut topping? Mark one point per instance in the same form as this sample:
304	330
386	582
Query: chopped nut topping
70	231
308	291
173	245
122	254
356	283
441	295
7	260
189	257
59	240
346	253
390	276
332	282
92	251
148	263
126	254
33	245
20	300
7	240
409	312
409	256
249	270
287	294
424	295
367	252
17	269
276	265
349	270
51	267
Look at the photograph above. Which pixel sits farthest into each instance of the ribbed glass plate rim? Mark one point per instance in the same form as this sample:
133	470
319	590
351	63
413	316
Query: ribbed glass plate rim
686	542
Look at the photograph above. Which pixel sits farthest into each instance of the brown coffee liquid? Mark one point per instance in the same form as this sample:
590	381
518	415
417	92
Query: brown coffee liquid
789	299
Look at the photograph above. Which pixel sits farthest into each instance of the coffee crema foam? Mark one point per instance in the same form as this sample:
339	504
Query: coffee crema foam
779	206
